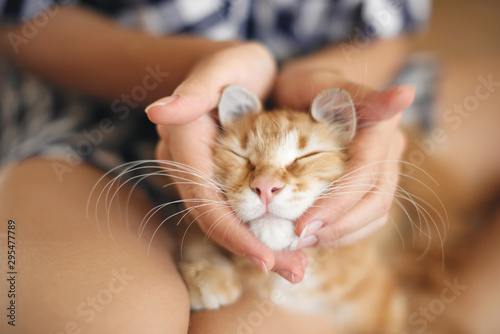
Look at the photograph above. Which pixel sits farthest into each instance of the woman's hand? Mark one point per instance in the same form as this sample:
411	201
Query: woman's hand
360	201
188	132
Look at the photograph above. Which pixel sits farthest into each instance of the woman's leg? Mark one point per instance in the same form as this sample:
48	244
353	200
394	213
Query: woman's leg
253	315
71	278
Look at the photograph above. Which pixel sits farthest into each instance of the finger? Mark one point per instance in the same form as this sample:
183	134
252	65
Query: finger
374	105
385	104
359	178
369	209
291	265
371	104
221	225
359	234
195	96
250	66
161	150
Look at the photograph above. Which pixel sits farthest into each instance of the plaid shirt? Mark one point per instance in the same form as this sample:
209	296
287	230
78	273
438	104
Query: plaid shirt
286	27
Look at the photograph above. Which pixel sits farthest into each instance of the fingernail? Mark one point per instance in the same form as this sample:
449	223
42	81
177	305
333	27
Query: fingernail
259	263
311	228
286	275
162	102
307	242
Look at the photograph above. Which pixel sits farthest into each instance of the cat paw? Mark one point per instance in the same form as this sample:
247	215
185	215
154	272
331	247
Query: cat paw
211	286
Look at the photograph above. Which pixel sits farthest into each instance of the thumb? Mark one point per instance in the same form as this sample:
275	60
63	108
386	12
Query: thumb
198	94
250	65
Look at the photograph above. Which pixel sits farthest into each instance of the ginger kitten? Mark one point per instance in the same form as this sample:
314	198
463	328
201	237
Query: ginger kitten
272	166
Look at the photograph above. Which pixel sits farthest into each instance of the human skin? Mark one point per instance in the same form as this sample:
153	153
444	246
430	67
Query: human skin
67	268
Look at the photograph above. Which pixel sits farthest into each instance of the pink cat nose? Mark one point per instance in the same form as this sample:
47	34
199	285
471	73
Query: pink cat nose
266	189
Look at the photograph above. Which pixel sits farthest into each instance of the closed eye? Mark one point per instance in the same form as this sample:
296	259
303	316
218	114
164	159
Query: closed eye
251	166
308	155
236	154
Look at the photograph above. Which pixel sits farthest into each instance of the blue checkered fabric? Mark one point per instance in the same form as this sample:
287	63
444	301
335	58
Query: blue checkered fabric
286	27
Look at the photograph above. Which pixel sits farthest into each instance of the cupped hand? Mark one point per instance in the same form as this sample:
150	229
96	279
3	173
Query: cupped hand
359	202
188	130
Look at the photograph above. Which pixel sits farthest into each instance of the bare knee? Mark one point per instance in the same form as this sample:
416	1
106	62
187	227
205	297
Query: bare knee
90	286
73	279
140	305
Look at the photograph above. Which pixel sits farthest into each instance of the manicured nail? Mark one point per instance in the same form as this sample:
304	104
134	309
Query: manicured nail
286	275
307	242
311	228
162	102
259	263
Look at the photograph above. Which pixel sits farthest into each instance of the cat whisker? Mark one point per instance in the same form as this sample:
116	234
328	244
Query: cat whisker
218	222
212	180
396	196
419	208
181	246
94	189
378	192
150	214
399	188
183	239
141	177
109	201
195	219
370	177
389	218
155	210
186	212
163	168
384	161
173	166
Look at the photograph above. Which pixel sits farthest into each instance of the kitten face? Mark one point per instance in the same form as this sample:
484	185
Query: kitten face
274	165
289	147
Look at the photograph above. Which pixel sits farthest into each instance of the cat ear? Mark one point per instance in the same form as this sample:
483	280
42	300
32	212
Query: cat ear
235	102
335	106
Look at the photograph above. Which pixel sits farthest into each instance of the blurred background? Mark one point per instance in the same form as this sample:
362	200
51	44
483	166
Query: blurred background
464	36
464	39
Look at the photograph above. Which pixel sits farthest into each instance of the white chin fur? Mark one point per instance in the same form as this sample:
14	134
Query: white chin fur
276	233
